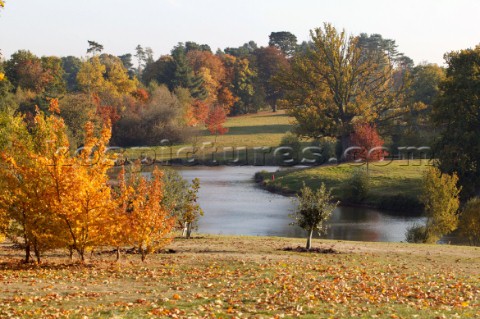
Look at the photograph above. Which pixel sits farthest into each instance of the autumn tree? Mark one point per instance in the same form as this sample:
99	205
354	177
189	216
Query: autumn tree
336	82
313	210
243	84
25	70
149	223
86	208
366	143
215	121
197	113
27	197
440	197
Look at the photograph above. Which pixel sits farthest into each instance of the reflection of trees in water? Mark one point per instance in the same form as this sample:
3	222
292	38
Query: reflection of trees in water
354	214
349	232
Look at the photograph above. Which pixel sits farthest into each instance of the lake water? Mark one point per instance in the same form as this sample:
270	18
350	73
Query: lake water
235	205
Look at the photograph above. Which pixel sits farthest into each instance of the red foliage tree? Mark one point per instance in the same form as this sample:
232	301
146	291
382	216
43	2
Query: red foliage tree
197	113
141	95
215	120
366	137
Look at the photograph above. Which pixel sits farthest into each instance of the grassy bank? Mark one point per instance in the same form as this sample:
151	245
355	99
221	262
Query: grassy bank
246	277
264	129
392	185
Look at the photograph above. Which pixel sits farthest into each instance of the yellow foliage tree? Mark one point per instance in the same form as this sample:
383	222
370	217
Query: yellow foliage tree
86	205
149	223
55	199
90	77
26	197
440	196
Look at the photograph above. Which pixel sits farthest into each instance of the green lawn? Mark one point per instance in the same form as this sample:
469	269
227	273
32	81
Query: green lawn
264	129
387	179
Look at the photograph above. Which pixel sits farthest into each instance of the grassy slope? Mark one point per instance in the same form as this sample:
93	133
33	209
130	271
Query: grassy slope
253	130
386	179
247	277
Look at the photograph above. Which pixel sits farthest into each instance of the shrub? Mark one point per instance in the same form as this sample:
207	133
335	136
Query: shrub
160	119
357	186
292	140
416	234
469	225
328	149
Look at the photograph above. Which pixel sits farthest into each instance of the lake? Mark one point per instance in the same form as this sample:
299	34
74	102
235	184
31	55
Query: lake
235	205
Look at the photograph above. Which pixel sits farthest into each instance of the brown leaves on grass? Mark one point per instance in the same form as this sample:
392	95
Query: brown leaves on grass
193	286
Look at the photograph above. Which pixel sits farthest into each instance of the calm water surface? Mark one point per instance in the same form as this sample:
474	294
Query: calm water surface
235	205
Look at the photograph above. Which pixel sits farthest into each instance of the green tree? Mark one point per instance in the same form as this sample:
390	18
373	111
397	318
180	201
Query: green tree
128	63
270	62
94	47
313	209
7	98
456	114
56	85
336	83
71	66
161	71
243	51
440	197
285	41
469	225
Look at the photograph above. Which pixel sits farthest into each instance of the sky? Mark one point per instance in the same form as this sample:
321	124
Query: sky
423	29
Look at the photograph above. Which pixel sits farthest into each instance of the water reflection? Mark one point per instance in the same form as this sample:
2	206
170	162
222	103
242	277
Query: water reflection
235	205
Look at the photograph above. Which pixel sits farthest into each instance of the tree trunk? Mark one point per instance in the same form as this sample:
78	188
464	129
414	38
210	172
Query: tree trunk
81	252
189	230
70	251
27	253
184	231
144	254
37	253
118	254
309	240
345	140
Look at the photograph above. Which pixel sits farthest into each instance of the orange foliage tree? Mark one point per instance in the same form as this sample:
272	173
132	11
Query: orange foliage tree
215	120
148	222
58	199
367	139
27	198
197	113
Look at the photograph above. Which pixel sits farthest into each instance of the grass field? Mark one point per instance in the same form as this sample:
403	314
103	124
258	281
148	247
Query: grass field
247	277
264	129
387	179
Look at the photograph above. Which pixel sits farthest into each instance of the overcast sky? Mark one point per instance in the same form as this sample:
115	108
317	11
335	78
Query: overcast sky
423	29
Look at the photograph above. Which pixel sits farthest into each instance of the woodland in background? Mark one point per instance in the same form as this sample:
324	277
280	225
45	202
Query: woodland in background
148	99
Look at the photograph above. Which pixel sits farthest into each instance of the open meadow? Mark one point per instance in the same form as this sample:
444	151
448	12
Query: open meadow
248	277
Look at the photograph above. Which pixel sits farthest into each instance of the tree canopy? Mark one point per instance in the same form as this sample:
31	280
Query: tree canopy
336	83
